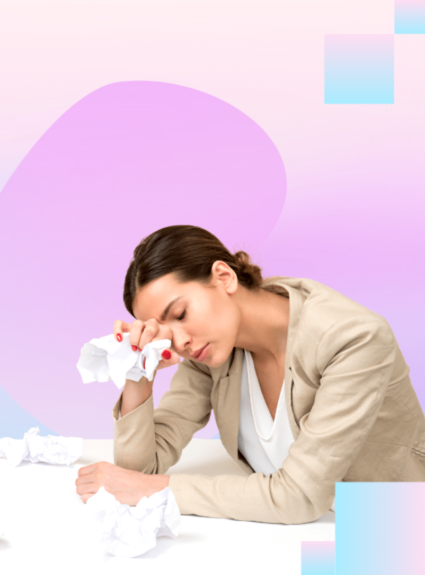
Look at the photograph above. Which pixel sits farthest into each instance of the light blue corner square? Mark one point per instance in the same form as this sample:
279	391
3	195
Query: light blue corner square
359	69
409	18
317	558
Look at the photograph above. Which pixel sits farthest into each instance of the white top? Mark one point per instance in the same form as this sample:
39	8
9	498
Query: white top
263	442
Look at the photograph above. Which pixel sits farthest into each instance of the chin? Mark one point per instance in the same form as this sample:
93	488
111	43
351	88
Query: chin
216	359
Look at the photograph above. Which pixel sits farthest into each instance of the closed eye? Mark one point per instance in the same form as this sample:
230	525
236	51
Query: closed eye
182	316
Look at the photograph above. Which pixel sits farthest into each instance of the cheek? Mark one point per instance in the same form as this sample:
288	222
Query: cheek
219	311
215	320
223	327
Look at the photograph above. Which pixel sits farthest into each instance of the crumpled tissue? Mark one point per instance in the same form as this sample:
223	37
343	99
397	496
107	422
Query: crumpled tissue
105	358
129	531
51	449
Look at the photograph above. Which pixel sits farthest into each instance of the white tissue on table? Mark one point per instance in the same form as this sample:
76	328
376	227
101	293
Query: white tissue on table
35	448
105	358
131	531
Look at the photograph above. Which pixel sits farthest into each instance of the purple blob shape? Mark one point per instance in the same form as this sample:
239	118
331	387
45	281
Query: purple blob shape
127	159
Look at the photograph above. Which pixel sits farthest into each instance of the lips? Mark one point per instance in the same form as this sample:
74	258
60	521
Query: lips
199	352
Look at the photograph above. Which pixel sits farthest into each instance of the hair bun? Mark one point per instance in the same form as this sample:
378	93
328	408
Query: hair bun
246	270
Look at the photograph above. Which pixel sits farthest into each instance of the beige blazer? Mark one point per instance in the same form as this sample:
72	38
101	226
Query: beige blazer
352	409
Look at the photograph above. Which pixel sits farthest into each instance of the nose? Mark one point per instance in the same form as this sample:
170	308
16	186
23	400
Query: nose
181	343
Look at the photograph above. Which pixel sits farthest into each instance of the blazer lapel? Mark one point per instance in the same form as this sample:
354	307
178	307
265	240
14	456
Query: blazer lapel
228	401
227	378
296	301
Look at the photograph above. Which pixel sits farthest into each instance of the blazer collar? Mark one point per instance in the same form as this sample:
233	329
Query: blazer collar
230	372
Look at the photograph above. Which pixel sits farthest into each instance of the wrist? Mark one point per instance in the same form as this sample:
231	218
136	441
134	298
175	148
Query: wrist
151	484
135	394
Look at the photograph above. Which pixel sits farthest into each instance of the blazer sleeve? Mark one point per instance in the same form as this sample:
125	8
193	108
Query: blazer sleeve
151	441
355	358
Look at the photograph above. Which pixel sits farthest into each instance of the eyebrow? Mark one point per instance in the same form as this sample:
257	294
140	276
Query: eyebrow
167	309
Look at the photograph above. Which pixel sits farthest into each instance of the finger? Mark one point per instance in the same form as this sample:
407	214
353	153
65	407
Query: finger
90	478
174	358
98	466
94	489
148	334
120	327
87	469
161	364
136	331
88	488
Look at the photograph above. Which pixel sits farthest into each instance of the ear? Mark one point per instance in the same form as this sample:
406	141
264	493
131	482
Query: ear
223	273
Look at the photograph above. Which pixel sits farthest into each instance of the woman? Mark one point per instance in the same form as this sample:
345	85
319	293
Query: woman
308	387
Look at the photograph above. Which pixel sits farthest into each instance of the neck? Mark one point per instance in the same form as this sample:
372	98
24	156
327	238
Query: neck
264	323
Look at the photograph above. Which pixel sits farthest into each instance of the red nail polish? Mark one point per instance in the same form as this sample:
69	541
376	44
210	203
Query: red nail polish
166	354
119	337
134	347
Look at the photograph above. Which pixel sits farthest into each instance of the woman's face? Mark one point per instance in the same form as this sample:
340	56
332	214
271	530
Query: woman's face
202	313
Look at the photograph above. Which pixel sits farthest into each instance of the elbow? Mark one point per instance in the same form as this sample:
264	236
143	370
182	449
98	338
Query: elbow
292	505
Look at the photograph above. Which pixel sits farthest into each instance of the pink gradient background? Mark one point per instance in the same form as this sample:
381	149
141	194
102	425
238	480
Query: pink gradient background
126	160
353	215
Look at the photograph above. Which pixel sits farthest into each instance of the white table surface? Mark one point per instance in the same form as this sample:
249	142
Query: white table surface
49	530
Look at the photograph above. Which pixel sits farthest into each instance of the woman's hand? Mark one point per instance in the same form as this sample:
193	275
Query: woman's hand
142	333
126	485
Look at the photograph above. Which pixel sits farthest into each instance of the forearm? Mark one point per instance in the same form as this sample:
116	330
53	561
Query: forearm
276	498
134	435
134	394
151	440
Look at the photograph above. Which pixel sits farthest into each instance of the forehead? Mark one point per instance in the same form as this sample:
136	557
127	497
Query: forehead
152	299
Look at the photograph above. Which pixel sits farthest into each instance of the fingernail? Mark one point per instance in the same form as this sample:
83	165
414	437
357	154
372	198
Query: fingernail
119	337
166	354
134	347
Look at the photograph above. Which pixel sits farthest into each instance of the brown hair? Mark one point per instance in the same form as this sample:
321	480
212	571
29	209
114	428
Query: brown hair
189	252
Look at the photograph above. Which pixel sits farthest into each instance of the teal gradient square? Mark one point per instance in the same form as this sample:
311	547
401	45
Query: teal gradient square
379	528
409	17
359	69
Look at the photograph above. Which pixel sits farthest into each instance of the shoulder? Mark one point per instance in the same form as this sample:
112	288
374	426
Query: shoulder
325	308
328	322
319	309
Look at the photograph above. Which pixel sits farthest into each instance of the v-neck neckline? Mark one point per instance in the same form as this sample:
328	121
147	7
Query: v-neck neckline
263	420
